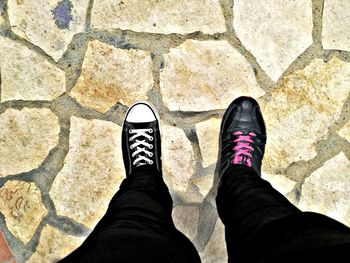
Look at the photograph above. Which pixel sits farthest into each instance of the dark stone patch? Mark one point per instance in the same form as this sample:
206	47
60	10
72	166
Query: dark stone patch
297	193
3	7
63	14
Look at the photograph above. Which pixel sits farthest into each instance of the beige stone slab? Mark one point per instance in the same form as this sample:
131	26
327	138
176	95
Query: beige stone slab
301	109
2	20
26	75
327	190
92	172
164	17
280	182
54	245
22	207
2	14
215	250
177	157
208	136
26	137
204	184
190	197
277	33
110	75
336	24
186	220
36	22
205	75
345	131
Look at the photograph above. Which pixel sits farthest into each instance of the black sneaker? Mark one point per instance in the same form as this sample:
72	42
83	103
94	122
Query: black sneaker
141	139
242	136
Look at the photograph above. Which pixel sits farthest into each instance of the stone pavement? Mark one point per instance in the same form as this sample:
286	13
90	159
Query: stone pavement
70	68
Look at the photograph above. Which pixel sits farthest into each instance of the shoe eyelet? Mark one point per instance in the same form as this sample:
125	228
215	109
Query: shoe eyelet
130	139
150	162
151	139
151	146
150	155
130	131
150	130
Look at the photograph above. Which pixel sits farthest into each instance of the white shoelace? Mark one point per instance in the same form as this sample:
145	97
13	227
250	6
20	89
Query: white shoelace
138	145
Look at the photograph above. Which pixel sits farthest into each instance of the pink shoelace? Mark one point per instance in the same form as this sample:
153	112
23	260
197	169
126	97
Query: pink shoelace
243	148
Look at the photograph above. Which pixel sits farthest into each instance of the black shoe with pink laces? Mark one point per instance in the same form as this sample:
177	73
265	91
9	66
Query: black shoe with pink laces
242	136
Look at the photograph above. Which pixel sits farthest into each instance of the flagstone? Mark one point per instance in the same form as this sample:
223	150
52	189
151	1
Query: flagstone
22	207
92	172
54	245
280	182
208	136
205	75
301	110
26	75
204	184
186	220
327	190
215	250
177	158
110	75
26	138
277	33
49	24
335	26
345	131
164	17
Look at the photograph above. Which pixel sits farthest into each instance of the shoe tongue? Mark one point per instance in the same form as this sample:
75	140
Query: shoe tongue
245	127
141	125
146	170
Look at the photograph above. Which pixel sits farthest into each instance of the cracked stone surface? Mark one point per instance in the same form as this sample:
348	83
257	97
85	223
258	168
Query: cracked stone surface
345	131
69	70
49	25
177	157
208	136
26	137
2	20
98	89
25	75
204	184
186	220
166	17
327	189
301	110
54	245
215	250
336	23
214	71
92	171
22	207
277	33
281	183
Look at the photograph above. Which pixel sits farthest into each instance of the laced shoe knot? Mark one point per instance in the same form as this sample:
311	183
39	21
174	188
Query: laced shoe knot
140	148
243	148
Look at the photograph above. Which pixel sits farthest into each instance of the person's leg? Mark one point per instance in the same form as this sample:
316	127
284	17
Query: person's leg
138	226
261	225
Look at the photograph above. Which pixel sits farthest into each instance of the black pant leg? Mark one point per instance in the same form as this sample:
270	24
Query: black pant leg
261	225
137	227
